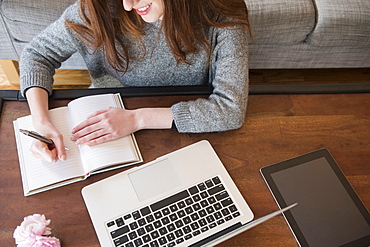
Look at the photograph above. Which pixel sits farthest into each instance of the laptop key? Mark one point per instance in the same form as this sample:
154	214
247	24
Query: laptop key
173	208
179	241
133	226
229	217
211	200
171	227
149	228
146	238
169	200
145	211
212	225
202	213
227	202
216	189
204	194
120	231
130	245
217	206
196	198
210	218
121	240
162	240
221	221
173	217
181	213
141	231
132	235
186	229
202	186
165	220
196	206
222	195
194	225
157	224
186	220
166	211
138	242
181	204
149	218
216	180
170	237
189	210
163	231
136	215
203	229
189	201
158	215
179	233
154	234
189	236
232	208
120	222
141	222
193	190
209	183
154	244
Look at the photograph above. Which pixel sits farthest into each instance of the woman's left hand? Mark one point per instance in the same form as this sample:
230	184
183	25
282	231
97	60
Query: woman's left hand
105	125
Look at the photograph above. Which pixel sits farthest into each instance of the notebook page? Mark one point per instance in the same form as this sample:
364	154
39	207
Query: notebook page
40	173
113	152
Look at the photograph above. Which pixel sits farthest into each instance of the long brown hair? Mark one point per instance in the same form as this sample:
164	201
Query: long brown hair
184	24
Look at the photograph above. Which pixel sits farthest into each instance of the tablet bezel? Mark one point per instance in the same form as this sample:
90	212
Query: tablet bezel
267	171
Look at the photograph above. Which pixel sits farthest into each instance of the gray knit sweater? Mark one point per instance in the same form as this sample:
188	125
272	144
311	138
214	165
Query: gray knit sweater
228	71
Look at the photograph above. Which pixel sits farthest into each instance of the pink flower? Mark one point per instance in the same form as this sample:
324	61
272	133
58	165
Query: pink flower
32	233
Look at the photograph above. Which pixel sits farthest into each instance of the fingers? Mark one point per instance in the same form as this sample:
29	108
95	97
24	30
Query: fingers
93	135
50	153
60	148
87	133
104	125
40	150
93	130
85	127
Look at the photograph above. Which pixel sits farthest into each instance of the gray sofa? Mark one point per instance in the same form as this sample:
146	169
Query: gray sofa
287	33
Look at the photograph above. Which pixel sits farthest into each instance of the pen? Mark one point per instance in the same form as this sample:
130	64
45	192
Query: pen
39	137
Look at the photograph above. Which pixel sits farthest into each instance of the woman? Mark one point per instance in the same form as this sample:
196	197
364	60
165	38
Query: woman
144	43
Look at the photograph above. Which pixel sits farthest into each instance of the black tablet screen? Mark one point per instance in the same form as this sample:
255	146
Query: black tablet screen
326	214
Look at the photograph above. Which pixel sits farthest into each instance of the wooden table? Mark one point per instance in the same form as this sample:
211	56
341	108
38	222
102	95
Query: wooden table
277	127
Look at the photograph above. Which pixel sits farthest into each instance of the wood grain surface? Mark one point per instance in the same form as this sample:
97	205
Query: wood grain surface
277	127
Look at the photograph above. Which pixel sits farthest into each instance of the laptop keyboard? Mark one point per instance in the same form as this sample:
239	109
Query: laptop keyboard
175	219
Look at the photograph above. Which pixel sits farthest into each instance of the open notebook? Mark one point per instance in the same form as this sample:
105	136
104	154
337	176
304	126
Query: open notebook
82	160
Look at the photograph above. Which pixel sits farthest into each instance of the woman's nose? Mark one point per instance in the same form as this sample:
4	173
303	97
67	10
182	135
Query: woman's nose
129	4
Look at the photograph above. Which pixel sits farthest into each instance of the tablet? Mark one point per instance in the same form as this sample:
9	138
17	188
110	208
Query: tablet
329	212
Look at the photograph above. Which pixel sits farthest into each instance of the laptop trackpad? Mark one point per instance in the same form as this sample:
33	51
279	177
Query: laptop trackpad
154	179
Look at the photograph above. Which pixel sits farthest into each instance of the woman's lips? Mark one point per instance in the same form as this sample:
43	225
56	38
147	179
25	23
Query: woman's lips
143	10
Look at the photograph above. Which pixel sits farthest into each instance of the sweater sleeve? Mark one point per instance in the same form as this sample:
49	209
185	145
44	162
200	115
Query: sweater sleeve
225	108
47	51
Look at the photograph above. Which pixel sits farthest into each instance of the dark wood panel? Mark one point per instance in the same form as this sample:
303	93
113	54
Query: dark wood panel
277	127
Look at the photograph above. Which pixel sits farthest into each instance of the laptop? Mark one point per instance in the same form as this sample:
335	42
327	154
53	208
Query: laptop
184	198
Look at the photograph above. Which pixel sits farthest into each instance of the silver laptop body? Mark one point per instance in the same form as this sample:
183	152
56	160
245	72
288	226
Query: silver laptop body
183	198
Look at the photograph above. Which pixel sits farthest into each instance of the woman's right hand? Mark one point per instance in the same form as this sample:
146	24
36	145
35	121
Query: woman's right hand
41	150
38	102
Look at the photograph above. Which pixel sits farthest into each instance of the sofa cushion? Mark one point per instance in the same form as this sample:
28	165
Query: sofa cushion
25	19
341	23
281	21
